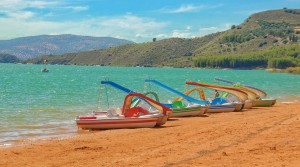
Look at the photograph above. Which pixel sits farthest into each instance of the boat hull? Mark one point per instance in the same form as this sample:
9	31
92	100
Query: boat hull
220	108
191	111
238	106
264	103
117	123
248	104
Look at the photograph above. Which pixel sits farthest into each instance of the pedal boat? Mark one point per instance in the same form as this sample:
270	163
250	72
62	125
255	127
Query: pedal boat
146	116
219	104
184	105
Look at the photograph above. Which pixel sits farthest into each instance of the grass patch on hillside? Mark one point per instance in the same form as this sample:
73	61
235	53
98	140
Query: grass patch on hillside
293	70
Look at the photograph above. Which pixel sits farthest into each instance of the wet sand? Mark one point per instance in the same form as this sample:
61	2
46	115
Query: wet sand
257	137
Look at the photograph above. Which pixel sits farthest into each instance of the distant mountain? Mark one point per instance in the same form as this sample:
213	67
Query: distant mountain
34	46
6	58
260	32
168	52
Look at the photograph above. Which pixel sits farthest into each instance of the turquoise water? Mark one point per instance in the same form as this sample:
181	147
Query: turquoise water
36	105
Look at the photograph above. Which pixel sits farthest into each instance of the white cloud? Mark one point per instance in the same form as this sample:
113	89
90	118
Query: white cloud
213	29
132	22
138	29
162	36
18	21
190	8
188	32
128	27
131	27
77	8
25	9
181	34
21	15
208	28
23	4
184	9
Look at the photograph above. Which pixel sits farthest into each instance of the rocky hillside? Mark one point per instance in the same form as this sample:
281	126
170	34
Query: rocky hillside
257	33
6	58
34	46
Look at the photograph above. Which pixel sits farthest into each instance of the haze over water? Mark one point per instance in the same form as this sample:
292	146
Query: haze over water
36	105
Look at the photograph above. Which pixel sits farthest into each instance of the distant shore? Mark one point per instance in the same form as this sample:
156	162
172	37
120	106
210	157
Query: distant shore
291	70
257	137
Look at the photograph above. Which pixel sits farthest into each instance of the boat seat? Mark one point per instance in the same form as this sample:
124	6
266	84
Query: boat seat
148	108
136	112
112	113
118	111
179	104
218	100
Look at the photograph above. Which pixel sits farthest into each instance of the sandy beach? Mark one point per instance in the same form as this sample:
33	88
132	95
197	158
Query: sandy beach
257	137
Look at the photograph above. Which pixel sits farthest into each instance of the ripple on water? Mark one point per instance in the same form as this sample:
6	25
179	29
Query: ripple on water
35	105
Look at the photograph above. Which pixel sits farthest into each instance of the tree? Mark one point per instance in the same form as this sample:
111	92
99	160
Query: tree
154	39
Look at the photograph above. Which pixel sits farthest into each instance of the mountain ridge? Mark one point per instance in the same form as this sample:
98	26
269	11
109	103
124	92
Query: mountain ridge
258	32
34	46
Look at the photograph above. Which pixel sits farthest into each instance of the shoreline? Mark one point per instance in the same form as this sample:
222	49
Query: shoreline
71	130
76	132
257	137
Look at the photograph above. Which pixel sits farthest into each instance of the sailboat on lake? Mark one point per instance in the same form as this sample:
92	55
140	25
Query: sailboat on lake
45	69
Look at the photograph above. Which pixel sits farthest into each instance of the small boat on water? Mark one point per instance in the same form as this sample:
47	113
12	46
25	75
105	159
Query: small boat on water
45	69
184	105
258	100
150	114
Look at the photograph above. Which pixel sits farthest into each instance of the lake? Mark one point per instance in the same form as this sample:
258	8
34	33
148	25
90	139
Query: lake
36	105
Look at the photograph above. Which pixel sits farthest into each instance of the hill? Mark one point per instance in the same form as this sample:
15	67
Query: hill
259	32
34	46
168	52
6	58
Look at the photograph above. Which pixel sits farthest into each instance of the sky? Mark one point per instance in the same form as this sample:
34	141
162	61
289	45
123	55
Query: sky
135	20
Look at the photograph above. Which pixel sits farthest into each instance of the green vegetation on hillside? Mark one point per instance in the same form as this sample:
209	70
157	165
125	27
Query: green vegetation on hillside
293	70
275	57
291	11
6	58
175	52
258	32
282	29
